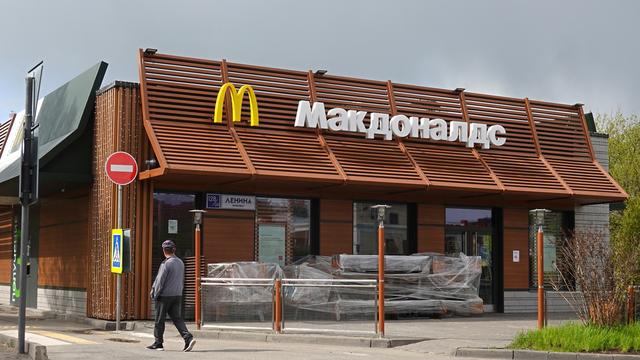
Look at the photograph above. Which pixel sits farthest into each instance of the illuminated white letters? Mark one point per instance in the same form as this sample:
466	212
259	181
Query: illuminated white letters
402	126
338	120
311	117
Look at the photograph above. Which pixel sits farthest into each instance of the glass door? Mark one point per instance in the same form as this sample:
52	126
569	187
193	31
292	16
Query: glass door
469	232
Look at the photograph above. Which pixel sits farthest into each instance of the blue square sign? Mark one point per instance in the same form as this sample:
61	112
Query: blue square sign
116	251
213	201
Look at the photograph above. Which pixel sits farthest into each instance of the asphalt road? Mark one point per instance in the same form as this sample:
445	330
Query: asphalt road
97	345
69	340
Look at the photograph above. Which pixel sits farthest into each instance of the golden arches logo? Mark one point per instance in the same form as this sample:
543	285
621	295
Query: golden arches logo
236	103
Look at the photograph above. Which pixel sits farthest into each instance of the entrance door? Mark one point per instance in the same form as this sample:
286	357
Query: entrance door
469	232
475	243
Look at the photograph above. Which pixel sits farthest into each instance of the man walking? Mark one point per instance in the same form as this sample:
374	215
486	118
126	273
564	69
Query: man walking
167	292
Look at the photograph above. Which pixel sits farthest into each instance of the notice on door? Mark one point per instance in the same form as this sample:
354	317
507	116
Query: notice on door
172	226
271	243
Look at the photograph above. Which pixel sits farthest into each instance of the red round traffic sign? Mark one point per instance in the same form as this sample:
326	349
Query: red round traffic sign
121	168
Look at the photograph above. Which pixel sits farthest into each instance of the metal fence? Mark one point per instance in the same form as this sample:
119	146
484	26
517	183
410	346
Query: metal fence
304	305
237	303
329	305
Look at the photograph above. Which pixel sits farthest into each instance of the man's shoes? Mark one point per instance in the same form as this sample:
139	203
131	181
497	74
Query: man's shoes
156	346
188	344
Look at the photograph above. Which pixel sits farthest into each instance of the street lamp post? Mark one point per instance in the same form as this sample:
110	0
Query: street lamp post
197	221
381	211
539	215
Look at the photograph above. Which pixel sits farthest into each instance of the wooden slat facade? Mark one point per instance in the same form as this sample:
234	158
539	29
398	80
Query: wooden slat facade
228	236
547	154
118	127
336	227
516	237
169	118
6	244
431	221
63	241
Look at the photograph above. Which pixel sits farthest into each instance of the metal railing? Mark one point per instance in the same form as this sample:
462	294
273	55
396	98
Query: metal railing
227	297
333	287
243	295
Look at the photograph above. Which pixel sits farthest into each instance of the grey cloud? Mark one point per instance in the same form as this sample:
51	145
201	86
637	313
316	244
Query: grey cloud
569	51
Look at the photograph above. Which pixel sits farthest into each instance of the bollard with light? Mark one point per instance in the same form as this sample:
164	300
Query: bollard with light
197	221
381	213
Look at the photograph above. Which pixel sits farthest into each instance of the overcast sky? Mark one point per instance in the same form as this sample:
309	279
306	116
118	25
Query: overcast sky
561	51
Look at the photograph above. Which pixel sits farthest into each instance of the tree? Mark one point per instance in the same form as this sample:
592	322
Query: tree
624	167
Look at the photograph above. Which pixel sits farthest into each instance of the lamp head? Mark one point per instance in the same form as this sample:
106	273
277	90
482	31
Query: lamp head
197	216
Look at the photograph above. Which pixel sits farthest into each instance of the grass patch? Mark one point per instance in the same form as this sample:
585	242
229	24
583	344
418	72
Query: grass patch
580	338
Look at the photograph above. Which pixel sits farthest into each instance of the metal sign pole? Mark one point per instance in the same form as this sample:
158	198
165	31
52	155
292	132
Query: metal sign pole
118	276
25	195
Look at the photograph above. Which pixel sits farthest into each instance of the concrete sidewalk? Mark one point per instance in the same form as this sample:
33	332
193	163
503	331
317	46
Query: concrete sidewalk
434	336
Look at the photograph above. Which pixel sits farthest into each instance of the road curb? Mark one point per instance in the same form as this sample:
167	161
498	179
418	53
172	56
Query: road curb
306	338
34	350
484	353
538	355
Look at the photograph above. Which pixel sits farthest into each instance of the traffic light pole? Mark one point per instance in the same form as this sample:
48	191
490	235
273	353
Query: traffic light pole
25	199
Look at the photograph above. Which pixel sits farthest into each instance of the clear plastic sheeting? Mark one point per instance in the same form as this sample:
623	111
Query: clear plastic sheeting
393	264
238	292
233	296
421	284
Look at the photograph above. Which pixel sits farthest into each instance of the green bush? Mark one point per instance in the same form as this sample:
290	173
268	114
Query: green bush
581	338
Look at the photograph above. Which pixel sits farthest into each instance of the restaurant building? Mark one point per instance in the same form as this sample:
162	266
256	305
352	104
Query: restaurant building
295	175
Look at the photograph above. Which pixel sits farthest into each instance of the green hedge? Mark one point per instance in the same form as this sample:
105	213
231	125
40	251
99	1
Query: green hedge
580	338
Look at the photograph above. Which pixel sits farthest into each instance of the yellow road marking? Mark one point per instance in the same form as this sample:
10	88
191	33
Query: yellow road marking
69	338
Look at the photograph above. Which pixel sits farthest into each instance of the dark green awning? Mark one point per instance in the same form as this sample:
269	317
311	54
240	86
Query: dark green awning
65	137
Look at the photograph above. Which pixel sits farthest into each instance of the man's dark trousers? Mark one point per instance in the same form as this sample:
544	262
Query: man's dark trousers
171	305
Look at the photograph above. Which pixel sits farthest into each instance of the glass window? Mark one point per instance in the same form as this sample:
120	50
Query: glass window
365	229
282	229
555	231
172	221
468	217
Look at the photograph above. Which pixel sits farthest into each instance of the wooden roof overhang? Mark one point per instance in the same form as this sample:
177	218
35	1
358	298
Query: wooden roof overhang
547	159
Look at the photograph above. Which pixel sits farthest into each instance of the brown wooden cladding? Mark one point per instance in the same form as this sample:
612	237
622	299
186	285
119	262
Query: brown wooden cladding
336	227
6	244
118	127
431	228
228	236
63	242
178	96
516	237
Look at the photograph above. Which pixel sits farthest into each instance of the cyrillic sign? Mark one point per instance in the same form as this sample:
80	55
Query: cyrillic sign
338	119
236	103
231	202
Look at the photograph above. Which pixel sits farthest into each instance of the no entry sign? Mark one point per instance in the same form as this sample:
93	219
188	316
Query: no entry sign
121	168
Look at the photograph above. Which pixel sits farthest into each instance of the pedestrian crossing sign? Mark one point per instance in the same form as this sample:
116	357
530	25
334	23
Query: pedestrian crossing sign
116	251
